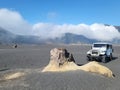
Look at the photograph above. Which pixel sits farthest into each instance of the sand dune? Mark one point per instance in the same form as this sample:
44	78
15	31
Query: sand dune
15	75
92	67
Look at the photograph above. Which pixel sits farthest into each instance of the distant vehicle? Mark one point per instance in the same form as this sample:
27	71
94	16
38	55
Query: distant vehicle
100	52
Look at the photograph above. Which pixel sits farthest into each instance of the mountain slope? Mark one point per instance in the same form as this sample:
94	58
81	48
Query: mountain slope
73	38
7	37
117	27
22	39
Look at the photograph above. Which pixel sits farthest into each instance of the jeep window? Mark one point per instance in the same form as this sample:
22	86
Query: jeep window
99	45
110	46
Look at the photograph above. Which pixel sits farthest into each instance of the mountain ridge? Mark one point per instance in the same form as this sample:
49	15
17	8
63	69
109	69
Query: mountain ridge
7	37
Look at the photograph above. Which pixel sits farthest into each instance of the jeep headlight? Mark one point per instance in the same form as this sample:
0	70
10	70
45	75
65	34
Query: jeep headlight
89	52
102	52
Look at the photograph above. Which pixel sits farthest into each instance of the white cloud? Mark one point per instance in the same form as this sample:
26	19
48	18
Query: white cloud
14	22
102	32
94	31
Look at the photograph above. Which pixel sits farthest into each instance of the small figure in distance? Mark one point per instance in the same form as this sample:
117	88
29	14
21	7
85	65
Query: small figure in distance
15	46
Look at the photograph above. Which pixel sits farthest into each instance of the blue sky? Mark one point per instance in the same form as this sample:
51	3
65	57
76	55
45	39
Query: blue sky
66	11
54	18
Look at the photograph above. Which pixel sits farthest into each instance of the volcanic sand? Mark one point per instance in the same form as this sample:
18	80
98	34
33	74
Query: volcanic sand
30	61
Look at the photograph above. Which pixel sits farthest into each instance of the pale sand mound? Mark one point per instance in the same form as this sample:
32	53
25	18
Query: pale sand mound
13	75
94	67
62	60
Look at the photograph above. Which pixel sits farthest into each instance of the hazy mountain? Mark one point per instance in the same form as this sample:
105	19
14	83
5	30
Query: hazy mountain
117	40
22	39
7	37
73	38
117	27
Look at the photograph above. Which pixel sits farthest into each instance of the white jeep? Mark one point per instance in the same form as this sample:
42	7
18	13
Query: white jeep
100	52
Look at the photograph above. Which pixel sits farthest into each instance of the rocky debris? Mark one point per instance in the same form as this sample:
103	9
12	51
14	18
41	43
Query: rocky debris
60	56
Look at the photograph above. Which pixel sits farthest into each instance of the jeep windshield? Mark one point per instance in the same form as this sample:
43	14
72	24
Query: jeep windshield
99	45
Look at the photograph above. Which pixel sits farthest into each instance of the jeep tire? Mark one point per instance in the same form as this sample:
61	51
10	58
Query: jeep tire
104	59
88	59
110	58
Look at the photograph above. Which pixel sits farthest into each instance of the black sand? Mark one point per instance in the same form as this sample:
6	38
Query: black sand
32	59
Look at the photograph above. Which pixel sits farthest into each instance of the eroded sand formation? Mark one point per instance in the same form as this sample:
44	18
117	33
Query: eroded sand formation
61	60
12	76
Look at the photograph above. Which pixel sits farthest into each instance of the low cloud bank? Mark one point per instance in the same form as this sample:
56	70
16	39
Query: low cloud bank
13	21
94	31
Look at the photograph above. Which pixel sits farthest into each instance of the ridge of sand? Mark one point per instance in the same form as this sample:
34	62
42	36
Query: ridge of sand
93	67
15	75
